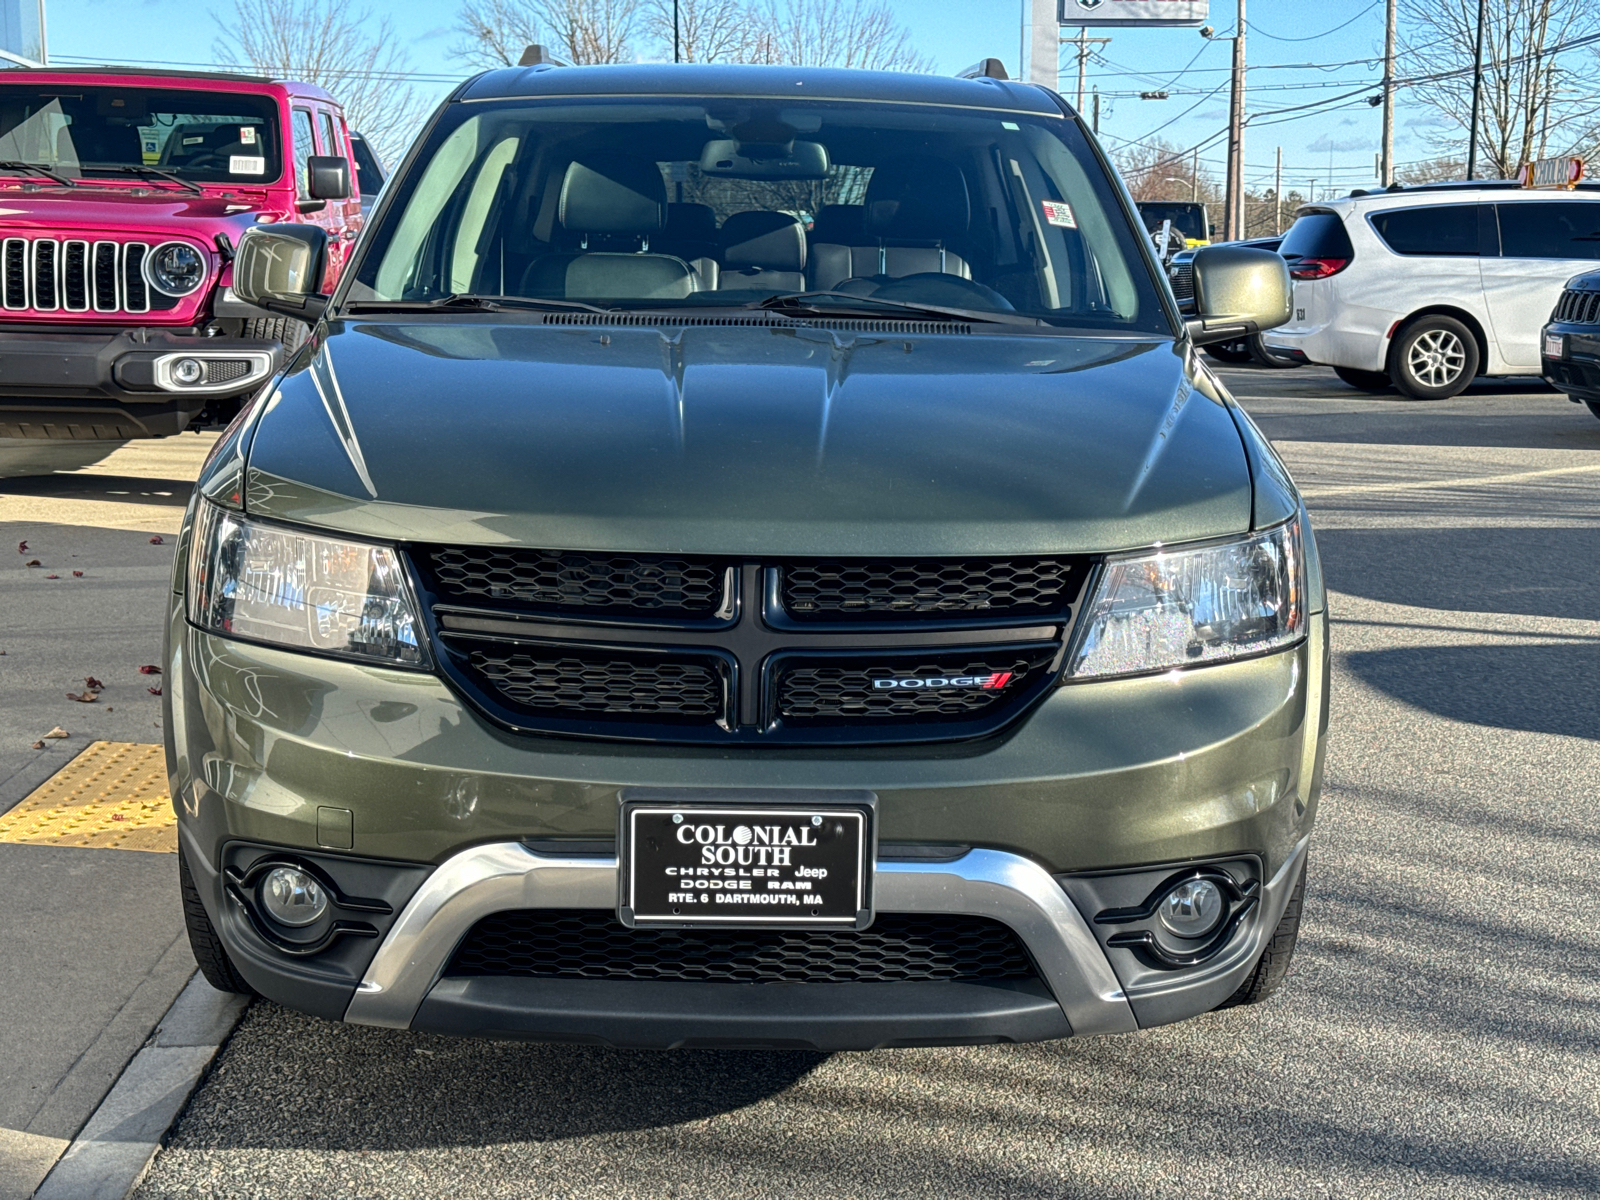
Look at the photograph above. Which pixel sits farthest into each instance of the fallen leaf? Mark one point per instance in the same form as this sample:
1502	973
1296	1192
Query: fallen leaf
118	817
110	709
85	697
38	745
22	547
89	681
77	574
32	562
58	732
145	670
52	577
155	691
158	540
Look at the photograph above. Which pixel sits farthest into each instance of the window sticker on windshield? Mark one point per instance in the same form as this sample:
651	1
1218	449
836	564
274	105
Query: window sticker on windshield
239	164
247	134
194	141
1059	212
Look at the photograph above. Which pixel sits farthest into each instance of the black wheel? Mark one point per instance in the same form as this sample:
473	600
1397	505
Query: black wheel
1232	353
209	952
1593	406
1274	962
1264	355
1433	358
1365	381
277	329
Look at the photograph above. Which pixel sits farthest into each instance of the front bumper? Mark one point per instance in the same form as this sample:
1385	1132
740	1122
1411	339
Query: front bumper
1577	371
1105	786
115	382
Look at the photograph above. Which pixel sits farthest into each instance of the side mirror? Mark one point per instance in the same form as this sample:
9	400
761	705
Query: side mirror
1238	291
280	268
328	177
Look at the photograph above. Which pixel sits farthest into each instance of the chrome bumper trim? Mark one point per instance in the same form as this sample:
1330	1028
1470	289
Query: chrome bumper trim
507	875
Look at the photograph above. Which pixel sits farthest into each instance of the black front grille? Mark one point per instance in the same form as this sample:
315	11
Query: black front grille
44	275
226	370
561	680
1182	277
562	581
860	689
897	589
593	944
1578	308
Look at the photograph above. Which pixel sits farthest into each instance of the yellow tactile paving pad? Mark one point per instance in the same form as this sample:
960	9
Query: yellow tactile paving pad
113	796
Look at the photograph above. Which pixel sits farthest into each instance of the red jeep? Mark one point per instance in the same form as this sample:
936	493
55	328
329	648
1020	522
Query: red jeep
122	196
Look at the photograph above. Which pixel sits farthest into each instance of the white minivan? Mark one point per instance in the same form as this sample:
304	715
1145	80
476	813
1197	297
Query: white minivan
1424	288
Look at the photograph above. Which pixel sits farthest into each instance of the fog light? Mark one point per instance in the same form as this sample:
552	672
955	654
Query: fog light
1193	909
292	897
188	371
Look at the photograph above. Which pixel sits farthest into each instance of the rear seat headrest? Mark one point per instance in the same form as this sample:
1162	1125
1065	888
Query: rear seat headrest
918	199
774	241
691	222
610	193
839	223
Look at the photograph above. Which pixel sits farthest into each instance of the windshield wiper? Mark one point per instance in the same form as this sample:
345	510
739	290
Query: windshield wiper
466	300
157	171
807	302
11	165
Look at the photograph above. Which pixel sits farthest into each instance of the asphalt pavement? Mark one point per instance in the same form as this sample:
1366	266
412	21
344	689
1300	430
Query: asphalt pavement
1439	1034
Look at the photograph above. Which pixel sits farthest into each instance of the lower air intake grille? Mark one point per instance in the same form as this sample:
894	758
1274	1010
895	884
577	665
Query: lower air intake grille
853	589
592	944
861	691
226	370
561	581
602	684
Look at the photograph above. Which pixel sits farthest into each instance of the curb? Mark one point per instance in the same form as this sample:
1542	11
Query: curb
109	1157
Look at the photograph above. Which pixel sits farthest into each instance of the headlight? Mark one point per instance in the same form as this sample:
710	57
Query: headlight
270	584
175	268
1182	607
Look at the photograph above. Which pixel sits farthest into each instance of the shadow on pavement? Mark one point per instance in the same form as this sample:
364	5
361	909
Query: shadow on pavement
128	489
1531	571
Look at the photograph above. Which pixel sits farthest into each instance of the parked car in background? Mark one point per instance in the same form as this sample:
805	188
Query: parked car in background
1180	274
370	172
1424	288
122	196
1570	344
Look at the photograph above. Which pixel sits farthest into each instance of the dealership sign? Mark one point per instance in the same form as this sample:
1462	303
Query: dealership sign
1148	13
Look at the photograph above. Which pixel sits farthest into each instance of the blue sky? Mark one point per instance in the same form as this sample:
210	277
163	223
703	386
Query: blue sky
1337	144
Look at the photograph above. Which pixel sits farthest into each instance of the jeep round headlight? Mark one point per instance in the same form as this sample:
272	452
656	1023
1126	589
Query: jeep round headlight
289	587
175	268
1186	606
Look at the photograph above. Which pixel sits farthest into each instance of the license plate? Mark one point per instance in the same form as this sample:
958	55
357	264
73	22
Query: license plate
760	865
1553	345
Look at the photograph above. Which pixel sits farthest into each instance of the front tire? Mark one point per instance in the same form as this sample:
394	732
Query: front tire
1233	353
1593	406
1365	381
1273	964
1264	355
209	952
1434	358
277	329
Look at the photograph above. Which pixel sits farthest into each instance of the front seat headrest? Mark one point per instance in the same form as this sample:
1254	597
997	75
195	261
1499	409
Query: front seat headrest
691	222
917	199
773	241
610	193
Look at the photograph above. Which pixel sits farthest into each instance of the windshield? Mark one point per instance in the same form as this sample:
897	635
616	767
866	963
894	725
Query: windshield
202	136
686	203
1187	219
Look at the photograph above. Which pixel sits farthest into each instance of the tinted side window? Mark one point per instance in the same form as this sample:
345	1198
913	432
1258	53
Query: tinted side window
305	145
1446	229
332	143
1550	229
1317	235
369	171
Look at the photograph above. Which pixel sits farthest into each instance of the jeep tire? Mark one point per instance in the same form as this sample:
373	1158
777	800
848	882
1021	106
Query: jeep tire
1273	964
209	952
277	329
1433	358
1365	381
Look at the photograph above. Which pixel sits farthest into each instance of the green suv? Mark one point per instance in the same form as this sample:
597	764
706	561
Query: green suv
748	556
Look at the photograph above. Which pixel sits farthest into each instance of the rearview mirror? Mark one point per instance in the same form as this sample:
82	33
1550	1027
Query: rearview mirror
1238	291
798	160
280	268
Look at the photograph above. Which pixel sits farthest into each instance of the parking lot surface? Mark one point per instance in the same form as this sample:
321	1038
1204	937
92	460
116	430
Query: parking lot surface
1439	1034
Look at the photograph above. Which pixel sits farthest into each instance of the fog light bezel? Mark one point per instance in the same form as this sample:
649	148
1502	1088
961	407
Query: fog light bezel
320	904
243	889
164	367
1239	902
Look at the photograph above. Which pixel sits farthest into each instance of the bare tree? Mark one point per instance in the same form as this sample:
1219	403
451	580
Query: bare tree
835	33
708	30
1159	170
1432	170
494	33
337	47
1534	102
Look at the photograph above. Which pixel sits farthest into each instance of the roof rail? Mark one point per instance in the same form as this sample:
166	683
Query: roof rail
537	56
985	68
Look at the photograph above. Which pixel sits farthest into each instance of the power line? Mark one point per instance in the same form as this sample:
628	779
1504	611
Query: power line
1256	28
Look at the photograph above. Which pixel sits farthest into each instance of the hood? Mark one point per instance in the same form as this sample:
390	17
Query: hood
747	440
153	209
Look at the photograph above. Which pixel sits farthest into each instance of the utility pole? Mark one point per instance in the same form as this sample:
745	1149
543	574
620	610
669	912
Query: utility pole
1194	185
1233	213
1386	177
1097	112
1084	41
677	42
1477	90
1277	196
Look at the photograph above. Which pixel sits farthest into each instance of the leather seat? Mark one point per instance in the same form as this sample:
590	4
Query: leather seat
691	234
763	251
109	145
621	200
915	208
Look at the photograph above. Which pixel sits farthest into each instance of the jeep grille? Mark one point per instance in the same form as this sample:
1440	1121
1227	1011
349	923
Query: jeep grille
76	275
